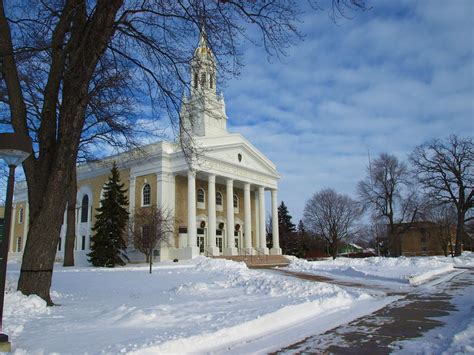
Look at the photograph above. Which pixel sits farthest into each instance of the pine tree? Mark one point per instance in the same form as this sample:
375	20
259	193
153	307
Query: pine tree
286	230
111	221
301	229
284	220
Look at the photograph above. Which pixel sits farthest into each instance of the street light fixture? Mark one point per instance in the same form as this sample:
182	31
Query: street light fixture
14	149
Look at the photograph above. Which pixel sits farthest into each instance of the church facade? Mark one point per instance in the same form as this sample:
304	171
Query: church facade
217	198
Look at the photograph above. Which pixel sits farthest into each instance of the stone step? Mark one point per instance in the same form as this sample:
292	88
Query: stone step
256	261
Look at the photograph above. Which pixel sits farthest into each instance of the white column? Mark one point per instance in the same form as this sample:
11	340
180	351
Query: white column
230	226
276	237
192	241
191	250
211	210
26	221
131	208
12	229
257	219
171	208
263	239
165	192
247	219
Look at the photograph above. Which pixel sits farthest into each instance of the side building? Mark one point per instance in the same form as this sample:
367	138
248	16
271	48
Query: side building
217	200
422	239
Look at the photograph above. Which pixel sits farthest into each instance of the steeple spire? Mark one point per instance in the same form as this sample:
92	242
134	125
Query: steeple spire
203	67
204	112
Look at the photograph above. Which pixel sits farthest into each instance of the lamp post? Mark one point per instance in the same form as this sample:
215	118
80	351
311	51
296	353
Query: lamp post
14	149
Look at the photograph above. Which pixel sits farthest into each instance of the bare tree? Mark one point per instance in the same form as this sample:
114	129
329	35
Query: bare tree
62	45
66	42
332	216
445	170
386	192
150	227
444	217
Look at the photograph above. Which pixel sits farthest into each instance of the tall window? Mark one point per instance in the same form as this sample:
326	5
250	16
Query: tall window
83	244
211	81
203	80
85	209
20	215
146	195
196	79
200	195
218	199
18	244
236	202
59	244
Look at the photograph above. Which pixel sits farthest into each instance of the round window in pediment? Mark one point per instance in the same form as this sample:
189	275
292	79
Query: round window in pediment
239	156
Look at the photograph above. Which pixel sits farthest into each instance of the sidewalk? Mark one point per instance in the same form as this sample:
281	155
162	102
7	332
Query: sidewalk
405	319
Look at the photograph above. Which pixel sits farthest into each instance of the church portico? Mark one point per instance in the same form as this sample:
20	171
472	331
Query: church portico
238	205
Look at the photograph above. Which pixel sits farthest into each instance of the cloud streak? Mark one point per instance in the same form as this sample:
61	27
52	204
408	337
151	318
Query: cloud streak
385	81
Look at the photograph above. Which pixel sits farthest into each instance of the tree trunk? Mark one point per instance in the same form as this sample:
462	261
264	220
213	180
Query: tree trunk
459	234
49	174
151	259
47	205
71	222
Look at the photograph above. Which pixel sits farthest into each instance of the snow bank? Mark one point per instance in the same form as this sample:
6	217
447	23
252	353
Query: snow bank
462	342
402	270
181	307
312	300
465	260
20	309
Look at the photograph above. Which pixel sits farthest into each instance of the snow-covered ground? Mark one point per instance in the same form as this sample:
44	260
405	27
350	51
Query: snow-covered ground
394	273
456	336
192	306
202	305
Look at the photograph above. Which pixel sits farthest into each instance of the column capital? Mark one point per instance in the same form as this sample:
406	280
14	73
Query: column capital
261	189
212	178
230	182
247	186
191	173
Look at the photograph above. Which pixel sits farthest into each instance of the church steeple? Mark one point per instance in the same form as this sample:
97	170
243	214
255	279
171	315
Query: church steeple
203	113
203	67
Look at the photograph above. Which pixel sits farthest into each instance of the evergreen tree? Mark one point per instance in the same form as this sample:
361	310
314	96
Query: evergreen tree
287	231
301	229
111	221
284	220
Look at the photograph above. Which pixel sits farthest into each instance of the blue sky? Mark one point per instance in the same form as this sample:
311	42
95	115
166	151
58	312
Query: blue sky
384	81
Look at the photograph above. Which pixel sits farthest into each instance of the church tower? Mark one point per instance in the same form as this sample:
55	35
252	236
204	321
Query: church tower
203	113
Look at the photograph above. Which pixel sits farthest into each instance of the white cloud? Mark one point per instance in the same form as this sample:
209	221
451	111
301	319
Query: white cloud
386	80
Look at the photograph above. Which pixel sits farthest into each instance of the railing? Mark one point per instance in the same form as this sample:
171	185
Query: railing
245	253
259	255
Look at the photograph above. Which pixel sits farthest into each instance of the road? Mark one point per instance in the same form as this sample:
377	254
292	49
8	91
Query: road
410	317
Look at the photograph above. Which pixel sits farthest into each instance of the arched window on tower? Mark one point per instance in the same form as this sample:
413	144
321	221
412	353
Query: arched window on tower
85	209
203	80
196	80
146	198
211	81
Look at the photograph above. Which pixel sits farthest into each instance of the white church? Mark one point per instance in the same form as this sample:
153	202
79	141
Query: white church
217	199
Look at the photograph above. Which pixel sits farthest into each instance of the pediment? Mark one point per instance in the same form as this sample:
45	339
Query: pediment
236	151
